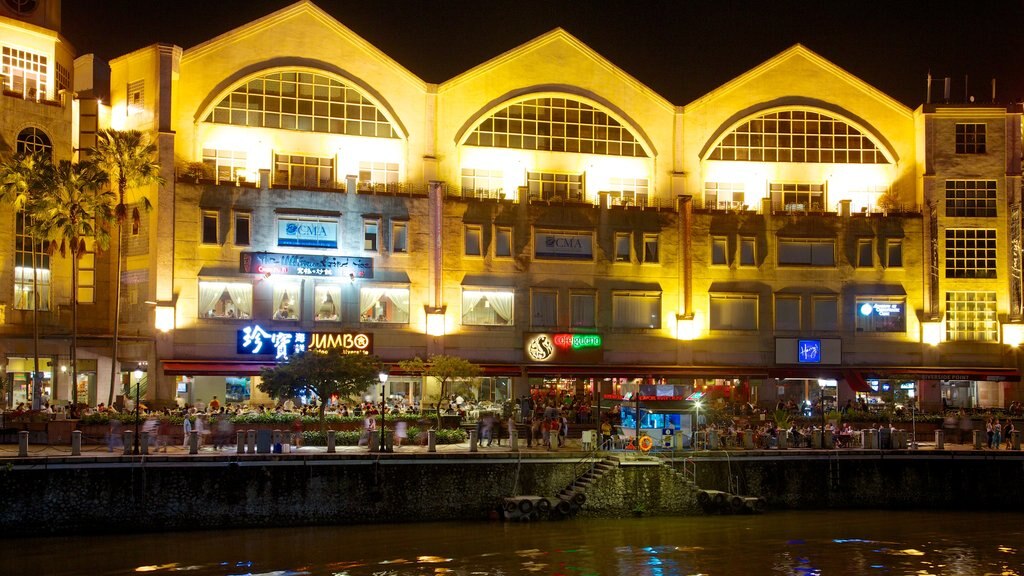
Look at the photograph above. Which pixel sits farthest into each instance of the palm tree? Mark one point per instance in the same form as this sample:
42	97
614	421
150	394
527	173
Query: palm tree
23	177
74	208
127	156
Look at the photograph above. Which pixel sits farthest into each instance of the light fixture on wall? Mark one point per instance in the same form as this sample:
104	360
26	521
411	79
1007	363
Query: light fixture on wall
435	320
1013	335
931	333
163	319
686	327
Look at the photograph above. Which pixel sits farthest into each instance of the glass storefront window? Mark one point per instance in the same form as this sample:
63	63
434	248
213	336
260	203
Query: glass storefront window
384	305
287	300
327	298
236	389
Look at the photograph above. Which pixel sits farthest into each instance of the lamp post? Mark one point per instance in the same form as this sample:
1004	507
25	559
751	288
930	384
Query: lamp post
383	377
135	442
696	426
913	417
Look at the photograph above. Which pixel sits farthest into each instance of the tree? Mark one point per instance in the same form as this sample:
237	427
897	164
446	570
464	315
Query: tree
23	178
322	373
446	369
76	207
128	159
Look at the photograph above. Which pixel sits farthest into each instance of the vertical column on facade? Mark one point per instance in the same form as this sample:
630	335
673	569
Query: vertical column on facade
435	342
685	208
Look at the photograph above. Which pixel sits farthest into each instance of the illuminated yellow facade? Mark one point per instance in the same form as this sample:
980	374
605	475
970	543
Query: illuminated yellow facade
794	225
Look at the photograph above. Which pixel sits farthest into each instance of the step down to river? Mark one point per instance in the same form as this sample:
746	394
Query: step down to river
718	502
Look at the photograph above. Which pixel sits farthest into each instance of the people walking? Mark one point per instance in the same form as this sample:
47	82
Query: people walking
997	434
1008	431
186	426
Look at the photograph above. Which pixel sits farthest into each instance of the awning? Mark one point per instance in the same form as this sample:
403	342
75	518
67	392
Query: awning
639	371
940	373
856	381
214	368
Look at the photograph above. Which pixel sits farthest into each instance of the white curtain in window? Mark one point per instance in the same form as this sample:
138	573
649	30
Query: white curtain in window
241	295
400	299
637	311
368	298
501	303
286	300
583	310
328	302
544	309
209	293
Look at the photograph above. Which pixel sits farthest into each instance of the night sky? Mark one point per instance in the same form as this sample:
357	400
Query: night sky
682	49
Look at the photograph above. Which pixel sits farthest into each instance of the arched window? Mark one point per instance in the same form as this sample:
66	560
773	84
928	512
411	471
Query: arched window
798	136
556	124
302	101
32	140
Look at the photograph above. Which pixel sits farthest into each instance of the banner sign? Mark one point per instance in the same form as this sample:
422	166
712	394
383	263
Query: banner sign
570	348
282	344
563	246
822	351
308	233
306	265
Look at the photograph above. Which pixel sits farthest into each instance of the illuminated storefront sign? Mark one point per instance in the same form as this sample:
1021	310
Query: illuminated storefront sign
563	246
808	352
824	351
311	233
880	316
306	265
548	347
258	341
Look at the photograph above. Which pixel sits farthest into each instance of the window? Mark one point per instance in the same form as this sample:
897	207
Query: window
243	228
825	313
865	253
724	195
399	237
787	312
810	252
970	138
225	299
136	222
636	310
543	308
798	136
748	251
627	191
32	140
556	124
503	241
136	96
225	165
478	183
473	240
651	248
719	251
733	312
553	186
384	305
382	176
583	306
87	274
971	198
63	77
970	253
971	316
293	171
894	253
881	315
24	279
327	303
25	73
287	300
798	197
302	101
490	307
209	231
371	230
622	247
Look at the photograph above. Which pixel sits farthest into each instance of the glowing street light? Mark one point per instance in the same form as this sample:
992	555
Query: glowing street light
383	377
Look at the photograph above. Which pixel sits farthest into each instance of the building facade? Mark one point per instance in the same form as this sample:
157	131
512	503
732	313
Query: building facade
794	234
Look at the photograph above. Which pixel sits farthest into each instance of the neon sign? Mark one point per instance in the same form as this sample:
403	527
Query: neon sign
564	347
577	341
808	351
257	341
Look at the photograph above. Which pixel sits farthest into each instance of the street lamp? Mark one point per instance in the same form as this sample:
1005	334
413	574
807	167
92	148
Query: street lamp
138	377
383	377
696	425
913	416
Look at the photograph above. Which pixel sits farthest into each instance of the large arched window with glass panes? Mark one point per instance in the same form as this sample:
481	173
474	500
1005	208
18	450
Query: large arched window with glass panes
558	125
32	140
798	136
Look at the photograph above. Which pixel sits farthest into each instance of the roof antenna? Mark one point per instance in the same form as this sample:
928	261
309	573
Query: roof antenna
928	98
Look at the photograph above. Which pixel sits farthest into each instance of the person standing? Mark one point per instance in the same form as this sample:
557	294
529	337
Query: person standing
989	431
1008	431
186	426
997	434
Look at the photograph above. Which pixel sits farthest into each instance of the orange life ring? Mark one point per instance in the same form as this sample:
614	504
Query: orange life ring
646	443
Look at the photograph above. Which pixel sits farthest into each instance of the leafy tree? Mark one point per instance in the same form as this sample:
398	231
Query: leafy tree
76	207
128	159
322	373
446	369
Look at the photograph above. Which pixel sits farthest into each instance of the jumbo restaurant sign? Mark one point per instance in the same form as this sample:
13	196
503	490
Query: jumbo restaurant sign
257	341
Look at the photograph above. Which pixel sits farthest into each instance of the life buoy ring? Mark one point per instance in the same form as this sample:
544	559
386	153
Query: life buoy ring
646	443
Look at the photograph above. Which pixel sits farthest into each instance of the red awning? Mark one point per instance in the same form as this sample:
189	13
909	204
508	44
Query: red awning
856	381
214	368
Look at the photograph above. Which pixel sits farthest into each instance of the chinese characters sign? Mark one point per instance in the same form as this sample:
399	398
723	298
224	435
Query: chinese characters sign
306	265
258	341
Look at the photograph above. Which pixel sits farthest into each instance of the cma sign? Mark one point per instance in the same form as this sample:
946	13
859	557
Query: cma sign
307	233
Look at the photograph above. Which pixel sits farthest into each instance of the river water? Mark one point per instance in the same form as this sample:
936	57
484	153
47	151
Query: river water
798	543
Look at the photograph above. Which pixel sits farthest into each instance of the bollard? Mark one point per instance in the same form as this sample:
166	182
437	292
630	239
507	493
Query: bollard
713	440
240	442
23	443
431	440
827	440
193	442
126	439
978	442
1015	440
513	440
373	441
76	443
472	440
816	439
275	442
144	444
250	441
871	439
748	439
331	434
783	439
940	440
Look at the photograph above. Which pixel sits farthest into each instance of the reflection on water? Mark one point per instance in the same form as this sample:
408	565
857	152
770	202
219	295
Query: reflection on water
797	543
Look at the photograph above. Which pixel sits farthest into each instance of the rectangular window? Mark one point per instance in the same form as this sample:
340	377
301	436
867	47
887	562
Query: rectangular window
287	300
294	171
225	165
502	241
399	237
650	248
543	308
807	252
371	232
487	307
733	312
971	198
627	191
865	253
970	253
25	73
622	247
327	302
881	314
225	300
787	312
894	253
724	195
243	228
383	305
136	97
636	310
210	235
972	316
970	138
584	305
825	313
798	197
748	251
24	280
719	251
379	176
473	240
482	183
553	186
87	274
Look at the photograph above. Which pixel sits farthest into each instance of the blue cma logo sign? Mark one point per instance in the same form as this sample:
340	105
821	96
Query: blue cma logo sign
808	351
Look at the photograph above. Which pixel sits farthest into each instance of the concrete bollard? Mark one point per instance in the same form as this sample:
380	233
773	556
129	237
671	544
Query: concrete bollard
240	442
782	436
23	443
275	441
331	437
827	440
144	444
431	440
126	438
513	440
76	443
978	442
1015	440
373	441
472	441
816	439
250	441
748	439
940	440
713	440
193	442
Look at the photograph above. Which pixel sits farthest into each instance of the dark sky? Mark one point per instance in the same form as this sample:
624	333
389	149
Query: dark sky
680	48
